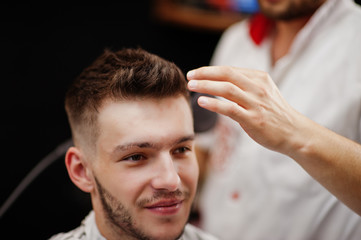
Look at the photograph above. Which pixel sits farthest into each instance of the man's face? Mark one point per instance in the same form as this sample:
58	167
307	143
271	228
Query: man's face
145	170
289	9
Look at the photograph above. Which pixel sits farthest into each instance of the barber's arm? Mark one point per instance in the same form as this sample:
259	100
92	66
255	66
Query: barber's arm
254	101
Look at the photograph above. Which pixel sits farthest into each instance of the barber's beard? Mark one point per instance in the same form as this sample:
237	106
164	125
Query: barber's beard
119	217
294	10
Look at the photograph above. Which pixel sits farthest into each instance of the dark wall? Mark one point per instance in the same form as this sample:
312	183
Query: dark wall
42	50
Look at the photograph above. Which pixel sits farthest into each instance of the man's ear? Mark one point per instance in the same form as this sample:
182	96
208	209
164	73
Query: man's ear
77	169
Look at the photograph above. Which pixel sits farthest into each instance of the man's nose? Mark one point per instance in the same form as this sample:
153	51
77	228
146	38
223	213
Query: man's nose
166	175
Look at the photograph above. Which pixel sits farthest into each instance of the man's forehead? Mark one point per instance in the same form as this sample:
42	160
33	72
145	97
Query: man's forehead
142	123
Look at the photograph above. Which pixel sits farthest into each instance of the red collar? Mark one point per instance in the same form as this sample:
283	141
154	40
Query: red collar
259	27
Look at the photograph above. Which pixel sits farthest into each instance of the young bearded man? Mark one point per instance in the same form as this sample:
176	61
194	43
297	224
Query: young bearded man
132	128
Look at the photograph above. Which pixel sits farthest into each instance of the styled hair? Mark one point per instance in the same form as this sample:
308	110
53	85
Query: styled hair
127	74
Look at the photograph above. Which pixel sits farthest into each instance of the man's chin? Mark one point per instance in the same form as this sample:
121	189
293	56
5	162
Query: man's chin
167	234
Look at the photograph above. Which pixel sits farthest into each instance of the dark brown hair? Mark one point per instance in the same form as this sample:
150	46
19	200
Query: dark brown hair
122	75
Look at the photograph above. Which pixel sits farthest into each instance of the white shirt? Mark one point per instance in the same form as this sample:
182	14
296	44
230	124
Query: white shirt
254	193
88	230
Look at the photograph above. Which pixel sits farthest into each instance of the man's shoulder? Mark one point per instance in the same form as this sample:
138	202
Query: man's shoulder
193	233
76	234
80	233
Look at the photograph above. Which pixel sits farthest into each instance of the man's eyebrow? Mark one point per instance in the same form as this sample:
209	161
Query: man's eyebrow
127	146
185	139
124	147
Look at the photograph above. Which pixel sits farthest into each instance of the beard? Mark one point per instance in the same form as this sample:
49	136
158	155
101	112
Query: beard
293	9
120	218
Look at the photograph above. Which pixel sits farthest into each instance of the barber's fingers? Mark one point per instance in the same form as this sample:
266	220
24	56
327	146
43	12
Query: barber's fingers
225	90
212	73
246	79
223	107
216	73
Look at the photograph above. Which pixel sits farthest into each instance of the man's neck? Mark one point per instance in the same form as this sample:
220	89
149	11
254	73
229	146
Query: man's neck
285	33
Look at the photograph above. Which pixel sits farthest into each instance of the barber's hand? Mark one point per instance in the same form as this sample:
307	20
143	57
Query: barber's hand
254	102
257	105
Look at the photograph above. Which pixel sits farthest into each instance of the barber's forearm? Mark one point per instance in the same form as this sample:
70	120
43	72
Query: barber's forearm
333	160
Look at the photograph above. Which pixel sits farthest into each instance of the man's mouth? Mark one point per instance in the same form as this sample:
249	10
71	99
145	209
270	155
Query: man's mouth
165	207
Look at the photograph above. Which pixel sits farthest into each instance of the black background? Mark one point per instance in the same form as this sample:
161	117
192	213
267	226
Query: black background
43	48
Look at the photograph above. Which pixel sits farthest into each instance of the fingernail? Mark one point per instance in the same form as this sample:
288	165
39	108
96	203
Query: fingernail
202	101
190	74
192	84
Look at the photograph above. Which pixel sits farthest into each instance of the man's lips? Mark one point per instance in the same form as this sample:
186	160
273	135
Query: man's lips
165	207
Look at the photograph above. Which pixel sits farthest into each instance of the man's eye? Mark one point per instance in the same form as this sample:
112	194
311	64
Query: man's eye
134	158
181	150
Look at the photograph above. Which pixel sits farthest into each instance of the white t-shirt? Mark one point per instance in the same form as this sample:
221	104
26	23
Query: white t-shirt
88	230
254	193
